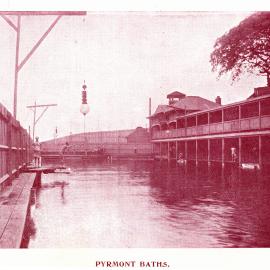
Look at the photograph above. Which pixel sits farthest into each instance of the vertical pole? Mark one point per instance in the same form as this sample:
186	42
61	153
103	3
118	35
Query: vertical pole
168	151
239	116
196	152
222	153
186	151
84	135
29	143
34	122
25	148
176	150
17	145
196	120
150	126
84	127
260	151
160	152
16	71
222	119
185	124
150	112
208	120
260	122
240	151
208	152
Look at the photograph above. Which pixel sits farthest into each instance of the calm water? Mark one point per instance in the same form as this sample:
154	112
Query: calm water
150	204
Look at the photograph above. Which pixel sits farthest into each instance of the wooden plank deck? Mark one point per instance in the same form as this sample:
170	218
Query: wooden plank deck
14	202
42	169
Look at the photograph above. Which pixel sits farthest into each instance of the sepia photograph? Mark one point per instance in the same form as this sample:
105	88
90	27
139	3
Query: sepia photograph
134	129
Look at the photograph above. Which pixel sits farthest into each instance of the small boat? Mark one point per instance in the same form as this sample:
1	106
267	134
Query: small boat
250	166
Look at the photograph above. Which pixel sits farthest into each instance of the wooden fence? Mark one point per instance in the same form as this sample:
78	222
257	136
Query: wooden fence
15	145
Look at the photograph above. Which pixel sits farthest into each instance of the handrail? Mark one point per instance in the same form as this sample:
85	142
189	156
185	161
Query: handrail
237	125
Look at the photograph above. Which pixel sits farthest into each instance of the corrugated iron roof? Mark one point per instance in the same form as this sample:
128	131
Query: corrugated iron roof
194	103
189	103
163	109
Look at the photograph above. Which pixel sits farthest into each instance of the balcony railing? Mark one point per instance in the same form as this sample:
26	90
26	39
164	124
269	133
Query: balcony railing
247	124
265	122
250	123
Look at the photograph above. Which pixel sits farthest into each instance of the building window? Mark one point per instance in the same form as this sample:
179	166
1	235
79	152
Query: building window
181	123
231	113
216	116
191	121
250	110
202	119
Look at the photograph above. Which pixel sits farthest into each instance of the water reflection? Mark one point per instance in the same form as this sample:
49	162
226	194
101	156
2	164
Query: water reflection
152	204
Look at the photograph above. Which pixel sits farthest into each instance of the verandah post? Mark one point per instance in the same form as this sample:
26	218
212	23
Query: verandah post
208	152
240	151
260	151
222	153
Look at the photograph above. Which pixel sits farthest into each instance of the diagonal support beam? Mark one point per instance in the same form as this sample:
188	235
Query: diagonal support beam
38	43
46	108
9	22
34	109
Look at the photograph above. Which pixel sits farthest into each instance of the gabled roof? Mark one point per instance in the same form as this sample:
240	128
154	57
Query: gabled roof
187	103
176	94
162	109
194	103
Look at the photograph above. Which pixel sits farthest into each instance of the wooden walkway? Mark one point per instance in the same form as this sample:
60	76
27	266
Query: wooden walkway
14	203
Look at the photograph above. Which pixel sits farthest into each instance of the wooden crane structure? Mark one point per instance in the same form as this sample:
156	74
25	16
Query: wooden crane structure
16	26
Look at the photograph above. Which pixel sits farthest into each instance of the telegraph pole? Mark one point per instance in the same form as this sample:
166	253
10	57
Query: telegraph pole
17	28
34	109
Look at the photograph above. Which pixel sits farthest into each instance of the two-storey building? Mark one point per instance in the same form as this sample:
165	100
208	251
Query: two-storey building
201	130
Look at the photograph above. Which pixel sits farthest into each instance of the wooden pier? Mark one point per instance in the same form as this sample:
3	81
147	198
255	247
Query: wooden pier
15	187
14	205
15	199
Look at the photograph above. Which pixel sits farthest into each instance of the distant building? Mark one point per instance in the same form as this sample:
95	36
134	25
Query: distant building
116	142
139	135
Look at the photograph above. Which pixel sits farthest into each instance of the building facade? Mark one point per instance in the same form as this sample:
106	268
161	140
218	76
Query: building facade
201	130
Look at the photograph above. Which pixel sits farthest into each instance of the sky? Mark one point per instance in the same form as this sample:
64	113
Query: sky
124	57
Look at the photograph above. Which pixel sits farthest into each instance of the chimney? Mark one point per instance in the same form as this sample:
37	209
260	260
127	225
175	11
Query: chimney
260	91
218	100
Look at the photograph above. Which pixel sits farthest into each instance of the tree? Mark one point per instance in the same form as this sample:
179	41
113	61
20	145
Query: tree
245	47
